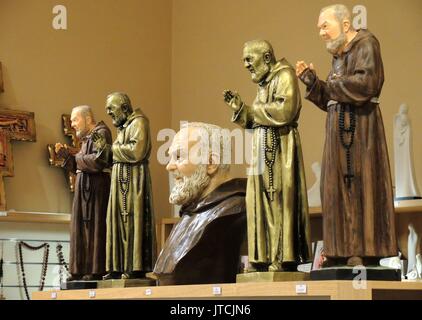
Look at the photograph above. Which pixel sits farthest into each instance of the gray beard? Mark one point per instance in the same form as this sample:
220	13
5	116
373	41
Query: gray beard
333	46
190	188
81	134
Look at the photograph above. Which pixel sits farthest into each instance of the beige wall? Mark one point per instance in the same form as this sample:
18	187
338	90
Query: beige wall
208	39
174	58
109	46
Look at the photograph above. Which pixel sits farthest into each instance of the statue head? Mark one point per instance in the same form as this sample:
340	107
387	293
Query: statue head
404	109
316	168
119	108
335	27
197	161
258	58
82	120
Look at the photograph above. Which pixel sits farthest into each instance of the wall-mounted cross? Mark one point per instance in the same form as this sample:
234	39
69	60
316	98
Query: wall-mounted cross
14	125
1	79
56	161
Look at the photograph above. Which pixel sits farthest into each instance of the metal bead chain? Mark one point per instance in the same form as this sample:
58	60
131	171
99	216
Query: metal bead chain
124	183
46	247
62	262
269	157
347	146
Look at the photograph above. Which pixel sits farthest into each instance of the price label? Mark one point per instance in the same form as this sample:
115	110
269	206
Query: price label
91	294
54	295
148	292
301	288
216	291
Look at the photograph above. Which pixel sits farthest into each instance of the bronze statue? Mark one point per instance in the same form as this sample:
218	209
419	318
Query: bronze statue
92	186
204	246
131	244
356	189
277	206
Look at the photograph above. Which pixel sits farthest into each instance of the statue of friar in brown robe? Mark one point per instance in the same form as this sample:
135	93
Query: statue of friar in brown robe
356	189
88	222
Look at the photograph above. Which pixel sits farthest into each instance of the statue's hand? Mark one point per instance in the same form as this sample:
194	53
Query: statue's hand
232	99
99	140
305	73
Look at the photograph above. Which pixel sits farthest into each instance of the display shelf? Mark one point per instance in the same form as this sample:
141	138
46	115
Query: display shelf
409	211
327	290
34	217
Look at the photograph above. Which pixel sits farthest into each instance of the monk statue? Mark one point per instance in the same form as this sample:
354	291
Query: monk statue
131	243
205	245
357	193
276	200
92	186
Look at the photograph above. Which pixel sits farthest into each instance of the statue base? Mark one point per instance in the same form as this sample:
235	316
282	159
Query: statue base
126	283
351	273
78	285
279	276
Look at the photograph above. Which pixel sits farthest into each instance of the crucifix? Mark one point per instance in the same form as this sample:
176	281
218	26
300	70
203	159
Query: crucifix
14	125
1	79
56	160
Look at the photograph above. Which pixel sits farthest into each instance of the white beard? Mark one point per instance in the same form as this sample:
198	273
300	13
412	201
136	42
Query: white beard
333	46
189	188
81	133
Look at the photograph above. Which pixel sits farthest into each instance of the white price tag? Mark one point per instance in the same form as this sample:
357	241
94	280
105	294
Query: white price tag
54	295
301	288
91	294
148	292
216	290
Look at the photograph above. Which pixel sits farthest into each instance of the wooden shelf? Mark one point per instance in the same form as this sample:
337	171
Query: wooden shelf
330	290
35	217
407	206
411	206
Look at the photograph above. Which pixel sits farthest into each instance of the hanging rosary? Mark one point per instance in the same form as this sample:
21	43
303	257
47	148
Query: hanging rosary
124	184
347	146
62	262
46	247
269	160
1	272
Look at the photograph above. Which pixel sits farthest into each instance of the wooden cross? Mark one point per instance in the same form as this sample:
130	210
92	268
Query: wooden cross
14	125
55	161
1	80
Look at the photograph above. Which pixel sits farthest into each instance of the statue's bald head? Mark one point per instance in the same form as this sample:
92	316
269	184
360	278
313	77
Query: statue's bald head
260	46
120	98
258	58
339	11
118	107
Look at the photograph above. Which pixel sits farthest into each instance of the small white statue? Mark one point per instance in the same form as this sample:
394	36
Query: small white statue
405	179
412	247
419	265
314	193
